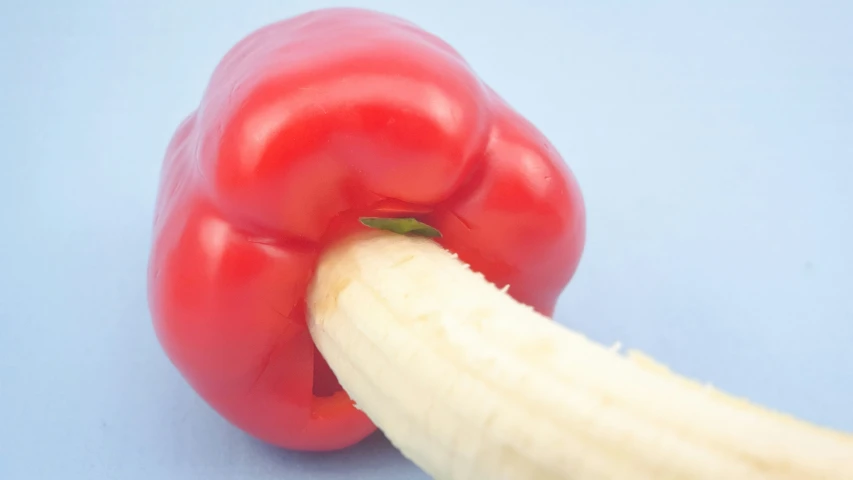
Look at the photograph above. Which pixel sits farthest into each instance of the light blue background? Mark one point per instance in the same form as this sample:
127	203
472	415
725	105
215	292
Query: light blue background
714	144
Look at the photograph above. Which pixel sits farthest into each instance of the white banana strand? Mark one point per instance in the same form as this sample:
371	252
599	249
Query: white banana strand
470	384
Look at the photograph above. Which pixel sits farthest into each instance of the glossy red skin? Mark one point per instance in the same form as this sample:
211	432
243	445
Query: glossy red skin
306	125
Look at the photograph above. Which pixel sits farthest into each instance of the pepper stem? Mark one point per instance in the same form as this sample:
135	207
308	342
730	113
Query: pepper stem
402	226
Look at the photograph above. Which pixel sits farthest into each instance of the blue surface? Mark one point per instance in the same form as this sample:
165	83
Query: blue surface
714	144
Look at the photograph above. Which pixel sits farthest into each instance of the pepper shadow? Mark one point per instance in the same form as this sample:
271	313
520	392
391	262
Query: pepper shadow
373	458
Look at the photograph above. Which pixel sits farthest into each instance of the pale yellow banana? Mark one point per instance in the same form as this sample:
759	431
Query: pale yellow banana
470	384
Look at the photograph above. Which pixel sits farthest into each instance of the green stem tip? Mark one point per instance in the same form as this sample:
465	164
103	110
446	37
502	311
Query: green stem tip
402	226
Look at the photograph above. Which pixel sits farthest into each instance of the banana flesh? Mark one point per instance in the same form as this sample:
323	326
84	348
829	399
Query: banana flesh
470	384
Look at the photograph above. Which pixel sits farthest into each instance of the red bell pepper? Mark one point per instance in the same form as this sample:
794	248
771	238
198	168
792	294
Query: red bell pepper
307	126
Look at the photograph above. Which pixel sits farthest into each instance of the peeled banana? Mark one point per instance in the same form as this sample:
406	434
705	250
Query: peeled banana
470	384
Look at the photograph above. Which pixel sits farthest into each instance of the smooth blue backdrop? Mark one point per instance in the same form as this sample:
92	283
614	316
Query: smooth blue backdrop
713	141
